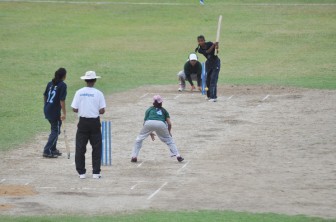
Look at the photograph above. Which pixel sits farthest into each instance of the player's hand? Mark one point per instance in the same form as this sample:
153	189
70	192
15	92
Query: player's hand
192	88
216	45
63	118
199	88
152	136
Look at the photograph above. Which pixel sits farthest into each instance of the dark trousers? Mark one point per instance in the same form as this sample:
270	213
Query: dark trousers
213	69
88	129
55	130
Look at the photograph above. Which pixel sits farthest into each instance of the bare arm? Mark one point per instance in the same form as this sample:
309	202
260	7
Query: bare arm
75	110
102	111
215	45
63	117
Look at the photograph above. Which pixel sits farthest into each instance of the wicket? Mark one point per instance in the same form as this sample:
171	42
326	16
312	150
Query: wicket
106	158
204	76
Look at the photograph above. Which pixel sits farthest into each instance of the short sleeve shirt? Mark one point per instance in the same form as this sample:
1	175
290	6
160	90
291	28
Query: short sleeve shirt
54	94
153	113
202	51
88	101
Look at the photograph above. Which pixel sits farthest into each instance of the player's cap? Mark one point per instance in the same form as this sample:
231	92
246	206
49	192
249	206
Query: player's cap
157	98
90	75
192	56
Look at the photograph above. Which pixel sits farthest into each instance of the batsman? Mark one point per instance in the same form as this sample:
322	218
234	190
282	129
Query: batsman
212	64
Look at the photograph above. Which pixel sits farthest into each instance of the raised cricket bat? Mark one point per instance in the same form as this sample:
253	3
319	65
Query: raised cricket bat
67	147
218	30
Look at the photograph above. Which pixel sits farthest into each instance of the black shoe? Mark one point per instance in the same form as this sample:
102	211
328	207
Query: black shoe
46	155
56	152
134	160
180	159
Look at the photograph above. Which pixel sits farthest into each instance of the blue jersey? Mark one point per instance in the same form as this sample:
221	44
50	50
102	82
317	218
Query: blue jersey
54	95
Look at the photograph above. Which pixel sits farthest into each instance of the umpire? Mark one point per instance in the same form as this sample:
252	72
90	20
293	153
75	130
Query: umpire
89	103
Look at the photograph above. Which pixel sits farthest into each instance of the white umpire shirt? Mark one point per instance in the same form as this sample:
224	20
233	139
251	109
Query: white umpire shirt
88	101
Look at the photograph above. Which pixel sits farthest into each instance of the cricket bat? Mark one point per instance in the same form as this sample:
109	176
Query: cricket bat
218	30
67	147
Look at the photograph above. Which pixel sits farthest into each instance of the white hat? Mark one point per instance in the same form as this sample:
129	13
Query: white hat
90	75
192	56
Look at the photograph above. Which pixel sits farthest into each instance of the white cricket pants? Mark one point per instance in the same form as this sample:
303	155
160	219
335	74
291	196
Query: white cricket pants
161	130
182	78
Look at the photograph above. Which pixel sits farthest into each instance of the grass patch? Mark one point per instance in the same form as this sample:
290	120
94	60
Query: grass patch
199	216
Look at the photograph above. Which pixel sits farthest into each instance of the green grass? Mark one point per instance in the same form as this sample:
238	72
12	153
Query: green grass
199	216
135	45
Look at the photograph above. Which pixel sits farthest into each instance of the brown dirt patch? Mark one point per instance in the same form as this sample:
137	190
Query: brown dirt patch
5	207
16	190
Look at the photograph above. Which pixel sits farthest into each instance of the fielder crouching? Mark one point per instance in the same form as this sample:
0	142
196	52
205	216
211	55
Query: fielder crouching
192	70
157	120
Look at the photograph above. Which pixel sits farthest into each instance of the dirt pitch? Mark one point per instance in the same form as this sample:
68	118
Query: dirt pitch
258	149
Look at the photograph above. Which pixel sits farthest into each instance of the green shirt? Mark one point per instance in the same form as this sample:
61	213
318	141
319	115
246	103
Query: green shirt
153	113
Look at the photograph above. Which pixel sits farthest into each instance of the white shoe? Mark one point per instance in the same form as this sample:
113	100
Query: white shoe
96	176
181	89
82	176
212	100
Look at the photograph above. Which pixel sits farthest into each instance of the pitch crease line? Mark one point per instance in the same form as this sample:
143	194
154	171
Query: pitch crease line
265	98
144	95
183	166
157	191
141	164
3	180
135	185
47	187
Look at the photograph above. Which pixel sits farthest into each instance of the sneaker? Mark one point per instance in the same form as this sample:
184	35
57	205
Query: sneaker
202	2
212	100
96	176
180	159
82	176
56	152
134	160
181	89
207	98
46	155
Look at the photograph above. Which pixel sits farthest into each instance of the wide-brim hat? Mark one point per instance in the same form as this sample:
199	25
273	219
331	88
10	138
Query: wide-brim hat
90	75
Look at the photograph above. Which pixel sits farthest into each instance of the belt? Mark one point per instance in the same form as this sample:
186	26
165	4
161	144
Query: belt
91	118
